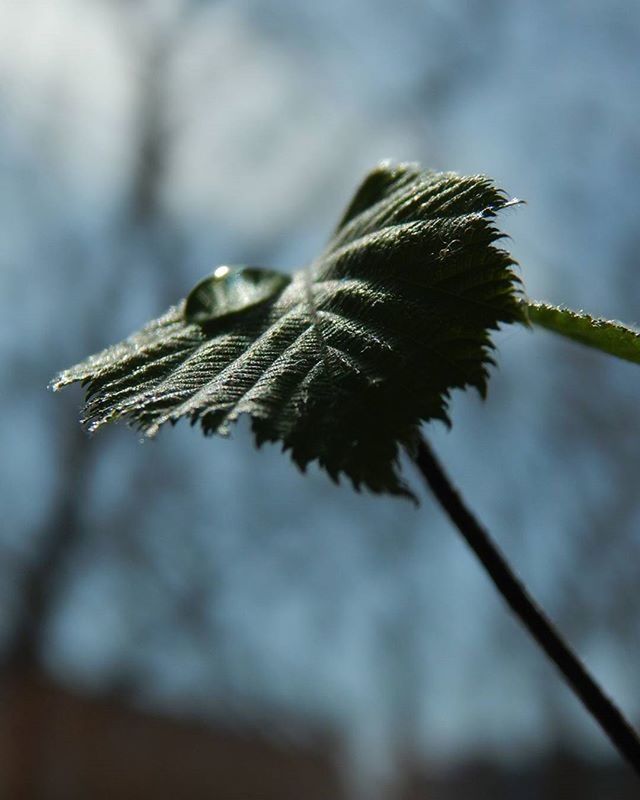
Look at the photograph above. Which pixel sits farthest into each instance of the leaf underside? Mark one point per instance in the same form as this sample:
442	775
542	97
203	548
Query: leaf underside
344	361
609	336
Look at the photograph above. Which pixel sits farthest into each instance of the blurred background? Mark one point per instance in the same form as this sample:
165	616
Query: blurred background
194	618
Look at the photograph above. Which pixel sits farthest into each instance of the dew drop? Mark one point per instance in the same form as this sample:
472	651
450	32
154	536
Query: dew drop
231	290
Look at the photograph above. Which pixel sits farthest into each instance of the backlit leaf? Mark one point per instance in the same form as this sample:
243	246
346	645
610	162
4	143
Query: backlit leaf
342	361
610	336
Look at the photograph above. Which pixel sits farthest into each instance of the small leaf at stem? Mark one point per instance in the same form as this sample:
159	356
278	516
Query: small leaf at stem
609	336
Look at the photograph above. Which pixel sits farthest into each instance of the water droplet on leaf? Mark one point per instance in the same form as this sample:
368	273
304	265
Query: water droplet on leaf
231	290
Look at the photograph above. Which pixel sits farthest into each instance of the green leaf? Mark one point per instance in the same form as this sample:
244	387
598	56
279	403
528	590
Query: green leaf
610	336
342	361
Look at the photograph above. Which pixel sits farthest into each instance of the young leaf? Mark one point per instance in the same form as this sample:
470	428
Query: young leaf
608	335
342	361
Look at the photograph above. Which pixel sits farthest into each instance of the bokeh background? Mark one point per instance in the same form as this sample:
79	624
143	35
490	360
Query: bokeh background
191	617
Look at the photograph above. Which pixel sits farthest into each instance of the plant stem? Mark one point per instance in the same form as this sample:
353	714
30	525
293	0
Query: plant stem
602	709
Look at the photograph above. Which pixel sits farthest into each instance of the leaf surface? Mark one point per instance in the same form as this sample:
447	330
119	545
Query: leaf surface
607	335
342	361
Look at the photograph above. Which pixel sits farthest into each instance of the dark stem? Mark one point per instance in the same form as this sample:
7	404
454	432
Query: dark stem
610	719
